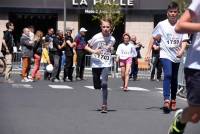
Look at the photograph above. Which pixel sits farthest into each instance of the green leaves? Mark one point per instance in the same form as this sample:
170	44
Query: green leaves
183	4
108	10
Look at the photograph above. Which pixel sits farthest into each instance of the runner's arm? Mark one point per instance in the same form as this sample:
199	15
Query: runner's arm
182	49
149	49
185	24
90	50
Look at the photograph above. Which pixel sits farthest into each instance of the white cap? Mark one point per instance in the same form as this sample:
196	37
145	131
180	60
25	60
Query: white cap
83	29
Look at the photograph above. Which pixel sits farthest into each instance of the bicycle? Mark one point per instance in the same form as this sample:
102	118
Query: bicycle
2	64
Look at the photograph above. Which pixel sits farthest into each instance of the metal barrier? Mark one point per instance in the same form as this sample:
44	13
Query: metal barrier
143	68
181	79
16	61
143	72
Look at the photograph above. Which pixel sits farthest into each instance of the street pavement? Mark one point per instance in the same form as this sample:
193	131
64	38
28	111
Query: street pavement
43	107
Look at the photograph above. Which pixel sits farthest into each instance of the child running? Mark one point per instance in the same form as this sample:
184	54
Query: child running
190	23
100	46
172	46
125	52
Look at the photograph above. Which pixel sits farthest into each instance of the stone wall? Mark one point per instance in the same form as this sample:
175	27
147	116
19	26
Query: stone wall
71	21
142	27
3	21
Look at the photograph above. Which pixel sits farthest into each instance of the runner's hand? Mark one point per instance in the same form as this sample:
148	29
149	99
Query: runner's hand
179	53
97	51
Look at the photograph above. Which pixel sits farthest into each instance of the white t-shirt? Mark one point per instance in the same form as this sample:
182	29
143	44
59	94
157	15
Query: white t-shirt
193	54
98	41
126	51
170	40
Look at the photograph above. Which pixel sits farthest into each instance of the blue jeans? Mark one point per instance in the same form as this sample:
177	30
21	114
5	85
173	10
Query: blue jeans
170	78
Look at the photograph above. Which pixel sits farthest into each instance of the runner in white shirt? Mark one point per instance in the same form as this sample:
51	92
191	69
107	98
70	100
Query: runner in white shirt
101	46
172	46
125	52
190	23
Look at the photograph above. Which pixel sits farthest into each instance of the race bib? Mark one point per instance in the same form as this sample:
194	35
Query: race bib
103	57
173	43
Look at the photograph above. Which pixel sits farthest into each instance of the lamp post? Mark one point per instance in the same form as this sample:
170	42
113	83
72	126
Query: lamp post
65	2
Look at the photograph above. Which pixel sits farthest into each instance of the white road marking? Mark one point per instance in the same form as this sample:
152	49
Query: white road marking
92	87
60	86
159	88
137	89
22	86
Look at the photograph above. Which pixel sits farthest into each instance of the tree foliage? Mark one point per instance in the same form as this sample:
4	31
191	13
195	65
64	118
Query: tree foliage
183	4
108	10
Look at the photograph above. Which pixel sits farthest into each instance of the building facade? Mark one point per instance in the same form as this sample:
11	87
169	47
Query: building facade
140	16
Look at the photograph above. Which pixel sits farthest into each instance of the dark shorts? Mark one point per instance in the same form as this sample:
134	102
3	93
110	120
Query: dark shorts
192	78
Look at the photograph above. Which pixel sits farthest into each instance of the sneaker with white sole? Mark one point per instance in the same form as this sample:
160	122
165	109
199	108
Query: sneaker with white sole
26	80
104	109
177	127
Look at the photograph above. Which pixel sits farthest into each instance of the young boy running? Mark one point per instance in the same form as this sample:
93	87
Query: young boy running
190	23
100	46
171	47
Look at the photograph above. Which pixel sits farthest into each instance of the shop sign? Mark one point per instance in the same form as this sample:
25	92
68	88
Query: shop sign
109	2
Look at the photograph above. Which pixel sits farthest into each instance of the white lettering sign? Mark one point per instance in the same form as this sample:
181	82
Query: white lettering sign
74	3
121	3
108	2
130	2
83	2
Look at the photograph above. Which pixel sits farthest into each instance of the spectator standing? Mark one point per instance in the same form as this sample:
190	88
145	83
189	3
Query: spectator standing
58	45
45	59
7	50
80	45
155	61
49	38
27	53
37	52
134	65
68	67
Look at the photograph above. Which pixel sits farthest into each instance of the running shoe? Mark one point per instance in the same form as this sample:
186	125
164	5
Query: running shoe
104	109
166	107
173	105
177	127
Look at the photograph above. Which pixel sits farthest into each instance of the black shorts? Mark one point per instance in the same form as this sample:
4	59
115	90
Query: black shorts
192	78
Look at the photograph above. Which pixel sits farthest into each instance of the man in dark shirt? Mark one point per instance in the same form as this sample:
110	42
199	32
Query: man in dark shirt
134	65
68	67
49	38
156	64
7	49
58	45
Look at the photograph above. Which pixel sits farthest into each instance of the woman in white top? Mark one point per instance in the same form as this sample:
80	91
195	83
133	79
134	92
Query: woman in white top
125	52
